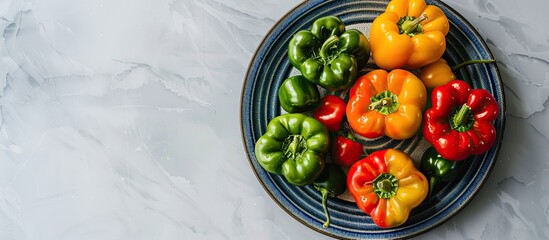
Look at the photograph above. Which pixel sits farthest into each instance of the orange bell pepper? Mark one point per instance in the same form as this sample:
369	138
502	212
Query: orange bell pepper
409	34
387	186
386	103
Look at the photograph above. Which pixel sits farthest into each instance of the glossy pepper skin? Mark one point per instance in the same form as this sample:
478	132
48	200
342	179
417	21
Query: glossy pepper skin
436	74
437	169
460	121
329	55
330	183
294	146
346	150
296	94
409	34
439	72
331	112
386	103
387	186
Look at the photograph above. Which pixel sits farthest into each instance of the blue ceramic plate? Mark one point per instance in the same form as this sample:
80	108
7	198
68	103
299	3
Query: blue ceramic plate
270	66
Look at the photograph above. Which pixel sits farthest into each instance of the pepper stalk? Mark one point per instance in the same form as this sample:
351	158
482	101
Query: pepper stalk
327	46
462	119
411	26
384	102
463	64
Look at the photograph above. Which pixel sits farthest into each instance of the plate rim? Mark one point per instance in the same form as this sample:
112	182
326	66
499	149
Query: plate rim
245	141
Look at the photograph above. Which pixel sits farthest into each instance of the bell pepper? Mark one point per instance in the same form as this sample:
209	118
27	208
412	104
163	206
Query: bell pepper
330	112
382	103
437	169
329	55
296	94
439	72
294	146
330	183
409	34
460	121
387	186
346	150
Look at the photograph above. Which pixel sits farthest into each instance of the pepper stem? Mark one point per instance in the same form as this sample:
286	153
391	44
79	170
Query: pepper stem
461	116
463	64
461	119
412	26
432	182
384	102
327	45
350	136
294	145
385	185
325	194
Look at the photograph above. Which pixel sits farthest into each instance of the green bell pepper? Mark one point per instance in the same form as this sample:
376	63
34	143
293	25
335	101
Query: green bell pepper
294	146
328	55
296	94
437	169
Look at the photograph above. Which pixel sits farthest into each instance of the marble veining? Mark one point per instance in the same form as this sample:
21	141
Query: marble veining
120	120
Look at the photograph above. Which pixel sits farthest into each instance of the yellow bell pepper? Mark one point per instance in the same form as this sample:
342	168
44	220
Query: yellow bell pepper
387	186
436	74
440	73
409	34
386	103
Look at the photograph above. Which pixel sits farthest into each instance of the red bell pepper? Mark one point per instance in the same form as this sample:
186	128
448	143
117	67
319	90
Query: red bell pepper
346	150
460	121
330	112
387	186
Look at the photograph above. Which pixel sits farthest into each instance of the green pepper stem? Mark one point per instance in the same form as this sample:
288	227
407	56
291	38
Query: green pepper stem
381	103
432	182
410	26
325	207
327	45
384	102
459	120
350	136
293	145
463	64
385	185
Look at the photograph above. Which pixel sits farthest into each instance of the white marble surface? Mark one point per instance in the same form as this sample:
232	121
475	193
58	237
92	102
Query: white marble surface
119	119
